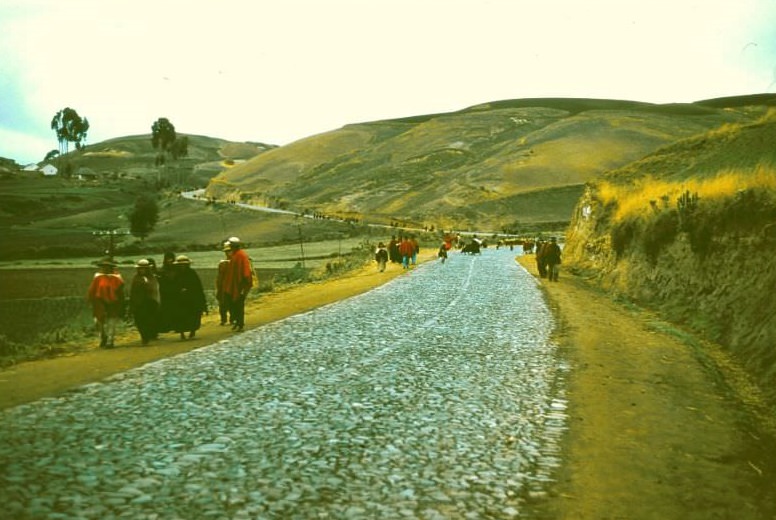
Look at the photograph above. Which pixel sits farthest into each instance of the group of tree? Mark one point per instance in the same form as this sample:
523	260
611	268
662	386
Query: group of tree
69	128
72	128
164	139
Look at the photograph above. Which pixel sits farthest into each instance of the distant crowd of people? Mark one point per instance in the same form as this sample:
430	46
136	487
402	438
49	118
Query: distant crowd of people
171	298
403	250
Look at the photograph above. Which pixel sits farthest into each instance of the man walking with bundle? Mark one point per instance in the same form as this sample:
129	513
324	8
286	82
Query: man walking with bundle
238	281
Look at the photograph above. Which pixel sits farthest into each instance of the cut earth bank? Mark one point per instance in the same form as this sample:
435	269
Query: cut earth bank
657	428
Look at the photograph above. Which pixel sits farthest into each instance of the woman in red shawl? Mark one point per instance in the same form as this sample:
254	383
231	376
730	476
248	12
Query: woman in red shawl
106	295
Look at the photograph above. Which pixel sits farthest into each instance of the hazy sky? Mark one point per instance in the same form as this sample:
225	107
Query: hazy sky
280	70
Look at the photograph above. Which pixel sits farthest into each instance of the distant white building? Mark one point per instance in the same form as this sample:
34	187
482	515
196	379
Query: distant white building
49	169
32	167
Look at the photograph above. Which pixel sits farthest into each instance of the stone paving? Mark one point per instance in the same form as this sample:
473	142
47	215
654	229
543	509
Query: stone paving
438	395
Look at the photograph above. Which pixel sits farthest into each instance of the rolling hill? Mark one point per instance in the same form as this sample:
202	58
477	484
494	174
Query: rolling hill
513	165
504	165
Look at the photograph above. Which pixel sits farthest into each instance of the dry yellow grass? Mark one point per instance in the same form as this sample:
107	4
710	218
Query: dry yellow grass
769	116
636	199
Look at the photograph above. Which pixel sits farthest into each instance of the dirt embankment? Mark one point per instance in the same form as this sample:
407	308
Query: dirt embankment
657	428
714	275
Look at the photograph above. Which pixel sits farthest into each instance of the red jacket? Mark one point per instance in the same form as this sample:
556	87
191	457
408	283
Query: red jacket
238	279
105	287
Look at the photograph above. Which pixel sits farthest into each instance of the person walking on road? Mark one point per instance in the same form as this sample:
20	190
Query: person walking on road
189	299
166	278
552	259
381	257
221	297
106	296
144	301
541	261
238	282
393	250
442	254
406	249
415	250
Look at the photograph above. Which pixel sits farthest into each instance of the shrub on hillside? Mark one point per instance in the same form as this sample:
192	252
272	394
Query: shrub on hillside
748	210
659	231
622	233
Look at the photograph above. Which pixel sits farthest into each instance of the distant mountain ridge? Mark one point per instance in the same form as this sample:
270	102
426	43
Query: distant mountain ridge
497	165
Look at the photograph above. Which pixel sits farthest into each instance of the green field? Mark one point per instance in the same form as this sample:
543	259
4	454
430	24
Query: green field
312	254
43	301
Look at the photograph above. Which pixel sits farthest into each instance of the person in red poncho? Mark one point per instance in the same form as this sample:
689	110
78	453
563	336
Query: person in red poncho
238	281
407	249
223	268
106	296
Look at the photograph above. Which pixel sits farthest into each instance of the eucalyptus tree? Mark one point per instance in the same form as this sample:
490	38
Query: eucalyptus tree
168	142
70	128
162	138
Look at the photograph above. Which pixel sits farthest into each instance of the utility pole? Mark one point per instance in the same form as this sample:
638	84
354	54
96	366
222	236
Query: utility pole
111	234
301	242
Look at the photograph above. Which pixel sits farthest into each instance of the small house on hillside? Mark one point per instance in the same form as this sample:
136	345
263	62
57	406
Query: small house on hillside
85	174
49	169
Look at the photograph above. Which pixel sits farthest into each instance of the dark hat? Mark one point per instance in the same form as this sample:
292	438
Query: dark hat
107	261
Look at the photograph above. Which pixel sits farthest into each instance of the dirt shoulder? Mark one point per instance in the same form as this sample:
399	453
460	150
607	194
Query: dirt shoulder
657	428
33	380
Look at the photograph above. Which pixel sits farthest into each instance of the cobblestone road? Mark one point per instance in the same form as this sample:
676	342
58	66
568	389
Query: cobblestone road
438	395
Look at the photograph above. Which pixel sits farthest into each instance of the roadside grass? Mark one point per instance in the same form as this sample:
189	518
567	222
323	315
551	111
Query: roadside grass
640	198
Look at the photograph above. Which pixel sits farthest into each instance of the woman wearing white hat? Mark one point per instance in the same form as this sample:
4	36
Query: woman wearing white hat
238	282
106	294
189	298
144	301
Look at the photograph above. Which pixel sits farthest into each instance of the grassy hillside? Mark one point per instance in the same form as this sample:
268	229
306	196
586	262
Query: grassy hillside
691	232
56	216
511	165
488	166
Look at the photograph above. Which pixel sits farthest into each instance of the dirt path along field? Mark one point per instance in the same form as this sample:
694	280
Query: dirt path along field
654	432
